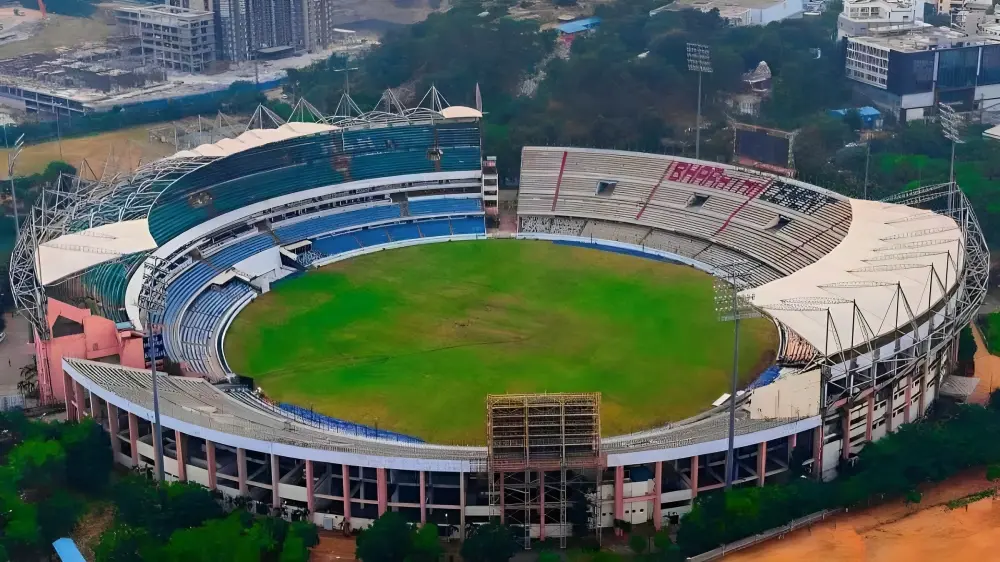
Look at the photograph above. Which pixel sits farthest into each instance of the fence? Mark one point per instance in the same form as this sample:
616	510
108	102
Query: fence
759	538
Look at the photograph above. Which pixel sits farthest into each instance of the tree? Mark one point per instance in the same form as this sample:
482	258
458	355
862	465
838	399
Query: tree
124	543
294	550
492	542
994	402
549	556
57	515
638	543
388	539
426	546
27	384
306	531
88	455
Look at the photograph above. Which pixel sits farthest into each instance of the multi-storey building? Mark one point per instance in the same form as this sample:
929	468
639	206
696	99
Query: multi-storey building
907	73
861	16
171	37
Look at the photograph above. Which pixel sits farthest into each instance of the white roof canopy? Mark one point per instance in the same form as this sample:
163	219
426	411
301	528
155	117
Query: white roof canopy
73	253
889	250
254	138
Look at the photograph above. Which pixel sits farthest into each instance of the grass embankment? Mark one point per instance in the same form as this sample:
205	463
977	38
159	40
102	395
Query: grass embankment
414	339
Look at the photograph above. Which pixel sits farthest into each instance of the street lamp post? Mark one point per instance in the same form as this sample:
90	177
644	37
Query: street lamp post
12	155
699	59
733	307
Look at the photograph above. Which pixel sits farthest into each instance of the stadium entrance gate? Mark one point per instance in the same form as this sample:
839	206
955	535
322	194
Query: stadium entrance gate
545	462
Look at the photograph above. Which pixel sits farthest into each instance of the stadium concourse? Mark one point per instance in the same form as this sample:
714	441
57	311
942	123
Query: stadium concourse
868	297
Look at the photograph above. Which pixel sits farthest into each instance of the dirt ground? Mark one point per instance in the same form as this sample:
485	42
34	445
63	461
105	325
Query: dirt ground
987	370
31	34
895	532
333	546
127	149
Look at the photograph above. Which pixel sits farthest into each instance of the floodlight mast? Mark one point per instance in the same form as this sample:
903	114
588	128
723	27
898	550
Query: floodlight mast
11	159
152	301
731	307
951	126
699	59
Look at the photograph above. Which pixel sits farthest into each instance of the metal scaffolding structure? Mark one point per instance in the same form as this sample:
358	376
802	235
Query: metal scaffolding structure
541	449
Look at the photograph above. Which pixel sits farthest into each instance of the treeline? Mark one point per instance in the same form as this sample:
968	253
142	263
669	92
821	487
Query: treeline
52	474
624	86
989	324
890	468
909	156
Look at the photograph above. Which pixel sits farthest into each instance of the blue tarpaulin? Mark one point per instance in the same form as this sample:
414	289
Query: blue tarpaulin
67	551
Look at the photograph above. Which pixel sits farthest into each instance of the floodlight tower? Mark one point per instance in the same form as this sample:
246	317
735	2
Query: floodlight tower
733	307
12	155
951	125
152	301
699	59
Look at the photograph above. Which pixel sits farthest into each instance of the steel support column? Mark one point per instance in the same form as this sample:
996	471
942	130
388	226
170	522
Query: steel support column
657	495
133	437
210	461
116	444
346	486
180	446
241	470
619	496
275	481
383	490
310	488
423	497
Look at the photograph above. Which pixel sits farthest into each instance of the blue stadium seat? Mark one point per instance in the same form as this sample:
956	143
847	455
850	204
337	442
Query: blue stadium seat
308	162
338	221
468	226
372	237
430	229
203	317
333	245
187	284
445	206
399	232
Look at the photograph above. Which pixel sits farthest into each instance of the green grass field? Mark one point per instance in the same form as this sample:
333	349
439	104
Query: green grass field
414	339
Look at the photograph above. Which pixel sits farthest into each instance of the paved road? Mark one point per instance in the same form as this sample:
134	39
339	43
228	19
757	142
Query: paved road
15	352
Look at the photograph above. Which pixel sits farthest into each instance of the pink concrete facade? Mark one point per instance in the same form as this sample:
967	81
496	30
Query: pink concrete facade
99	339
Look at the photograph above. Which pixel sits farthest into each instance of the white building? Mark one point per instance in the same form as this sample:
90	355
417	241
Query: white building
861	16
739	13
906	73
972	18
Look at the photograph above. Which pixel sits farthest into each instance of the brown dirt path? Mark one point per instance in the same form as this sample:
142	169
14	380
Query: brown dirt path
987	370
895	532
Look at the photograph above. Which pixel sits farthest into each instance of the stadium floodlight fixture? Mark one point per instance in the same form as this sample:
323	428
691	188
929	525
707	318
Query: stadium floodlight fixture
699	59
731	306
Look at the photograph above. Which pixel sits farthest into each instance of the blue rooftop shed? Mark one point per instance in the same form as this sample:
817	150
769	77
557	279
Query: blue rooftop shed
576	26
871	118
